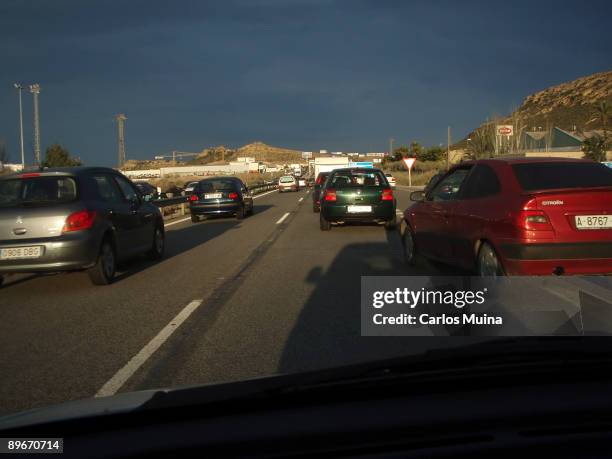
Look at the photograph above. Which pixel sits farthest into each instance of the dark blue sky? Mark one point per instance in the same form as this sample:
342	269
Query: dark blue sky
305	74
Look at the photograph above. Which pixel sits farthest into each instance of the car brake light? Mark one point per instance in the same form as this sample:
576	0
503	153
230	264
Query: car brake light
30	175
387	195
233	195
193	197
83	219
329	195
534	220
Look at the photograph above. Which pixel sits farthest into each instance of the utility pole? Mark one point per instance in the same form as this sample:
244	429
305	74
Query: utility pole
391	147
19	87
121	137
35	90
448	148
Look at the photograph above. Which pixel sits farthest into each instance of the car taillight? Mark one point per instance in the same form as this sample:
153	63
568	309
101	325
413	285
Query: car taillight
193	197
30	175
534	220
329	195
387	195
233	195
319	180
83	219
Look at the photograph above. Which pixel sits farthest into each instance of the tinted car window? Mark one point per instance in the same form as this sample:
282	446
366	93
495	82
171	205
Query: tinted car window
346	179
287	179
37	191
482	182
127	189
107	189
548	176
217	185
448	188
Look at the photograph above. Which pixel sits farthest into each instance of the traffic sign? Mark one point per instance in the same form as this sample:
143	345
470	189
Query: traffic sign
505	129
409	162
362	164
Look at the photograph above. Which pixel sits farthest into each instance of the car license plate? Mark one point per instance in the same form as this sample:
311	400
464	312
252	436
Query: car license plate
593	221
16	253
213	195
359	209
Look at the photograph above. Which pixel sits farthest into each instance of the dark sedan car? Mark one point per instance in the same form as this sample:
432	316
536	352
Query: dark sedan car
147	191
316	191
357	195
78	218
220	196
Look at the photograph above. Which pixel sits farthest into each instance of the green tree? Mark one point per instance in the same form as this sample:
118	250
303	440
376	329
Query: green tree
604	111
58	156
415	150
400	152
594	148
4	157
481	143
432	154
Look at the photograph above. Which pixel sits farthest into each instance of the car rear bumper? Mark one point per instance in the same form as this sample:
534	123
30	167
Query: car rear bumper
381	212
215	209
78	250
287	188
557	258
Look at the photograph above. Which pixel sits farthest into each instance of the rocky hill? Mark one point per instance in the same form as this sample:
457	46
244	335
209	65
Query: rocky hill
570	106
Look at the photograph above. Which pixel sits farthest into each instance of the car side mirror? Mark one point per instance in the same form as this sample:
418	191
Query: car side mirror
147	197
417	196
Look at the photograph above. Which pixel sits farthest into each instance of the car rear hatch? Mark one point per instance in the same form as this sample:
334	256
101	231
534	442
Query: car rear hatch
574	198
360	191
36	205
215	192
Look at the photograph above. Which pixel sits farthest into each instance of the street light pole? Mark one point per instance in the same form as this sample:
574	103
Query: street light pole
19	87
35	90
391	147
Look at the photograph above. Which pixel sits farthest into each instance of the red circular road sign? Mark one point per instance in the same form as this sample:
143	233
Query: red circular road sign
504	131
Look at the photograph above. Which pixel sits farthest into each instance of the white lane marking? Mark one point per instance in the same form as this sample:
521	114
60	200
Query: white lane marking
263	194
301	199
280	220
119	379
178	221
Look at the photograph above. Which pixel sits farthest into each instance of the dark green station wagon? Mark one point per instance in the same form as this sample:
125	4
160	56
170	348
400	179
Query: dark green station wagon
357	195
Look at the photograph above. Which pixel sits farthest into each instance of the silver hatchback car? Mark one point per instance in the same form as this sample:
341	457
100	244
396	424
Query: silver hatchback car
82	218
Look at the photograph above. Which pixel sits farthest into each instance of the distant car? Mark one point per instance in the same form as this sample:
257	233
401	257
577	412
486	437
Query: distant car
310	182
302	182
319	182
390	179
357	195
220	196
147	191
69	219
288	183
189	187
528	216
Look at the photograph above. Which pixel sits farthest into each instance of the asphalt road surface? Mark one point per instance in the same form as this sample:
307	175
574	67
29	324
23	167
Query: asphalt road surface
266	295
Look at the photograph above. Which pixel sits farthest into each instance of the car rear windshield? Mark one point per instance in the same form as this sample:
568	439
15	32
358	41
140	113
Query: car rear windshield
357	178
217	185
555	175
286	179
37	191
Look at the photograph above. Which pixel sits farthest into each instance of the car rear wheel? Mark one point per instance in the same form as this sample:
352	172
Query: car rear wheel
409	247
103	272
159	244
315	208
324	224
194	218
1	280
390	224
252	210
240	213
487	262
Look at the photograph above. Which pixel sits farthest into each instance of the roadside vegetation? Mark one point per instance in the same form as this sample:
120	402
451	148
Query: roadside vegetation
429	161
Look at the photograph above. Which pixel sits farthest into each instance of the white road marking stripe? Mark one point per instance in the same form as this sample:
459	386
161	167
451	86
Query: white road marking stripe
280	220
178	221
263	194
301	199
120	378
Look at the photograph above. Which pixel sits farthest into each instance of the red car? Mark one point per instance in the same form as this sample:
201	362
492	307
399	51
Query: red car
527	216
